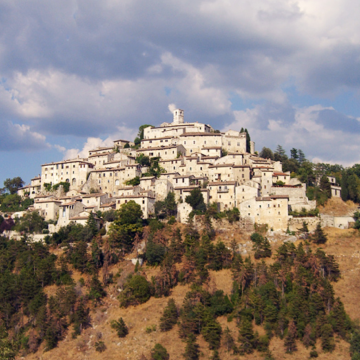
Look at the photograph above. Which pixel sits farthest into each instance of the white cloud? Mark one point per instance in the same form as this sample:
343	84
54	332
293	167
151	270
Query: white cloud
15	137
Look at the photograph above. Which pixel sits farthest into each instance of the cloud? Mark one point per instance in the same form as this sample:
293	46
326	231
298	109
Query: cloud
15	137
94	143
304	128
85	68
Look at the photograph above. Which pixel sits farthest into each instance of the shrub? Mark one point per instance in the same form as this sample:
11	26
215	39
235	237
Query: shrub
154	253
136	291
120	327
100	346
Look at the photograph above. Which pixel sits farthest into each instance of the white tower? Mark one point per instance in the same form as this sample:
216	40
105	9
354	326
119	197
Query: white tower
178	116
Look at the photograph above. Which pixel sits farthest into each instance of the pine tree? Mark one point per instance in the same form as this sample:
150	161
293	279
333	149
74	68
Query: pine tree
177	248
340	321
169	317
91	224
215	355
308	336
159	353
81	318
120	327
246	337
327	338
229	341
290	343
192	351
96	290
211	331
319	236
304	227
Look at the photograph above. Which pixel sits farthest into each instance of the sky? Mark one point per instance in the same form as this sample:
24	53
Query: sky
75	75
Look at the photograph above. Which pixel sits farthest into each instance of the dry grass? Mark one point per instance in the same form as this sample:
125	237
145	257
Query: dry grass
337	207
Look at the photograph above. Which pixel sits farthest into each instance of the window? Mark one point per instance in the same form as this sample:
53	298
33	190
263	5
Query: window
184	142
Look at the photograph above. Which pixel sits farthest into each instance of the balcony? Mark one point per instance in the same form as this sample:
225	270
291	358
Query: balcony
222	190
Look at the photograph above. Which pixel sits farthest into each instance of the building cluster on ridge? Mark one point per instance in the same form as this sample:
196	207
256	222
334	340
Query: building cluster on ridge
192	155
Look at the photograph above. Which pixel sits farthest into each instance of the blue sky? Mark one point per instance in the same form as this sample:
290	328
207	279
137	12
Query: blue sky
79	74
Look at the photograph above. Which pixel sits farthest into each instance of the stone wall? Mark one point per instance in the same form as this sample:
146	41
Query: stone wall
296	223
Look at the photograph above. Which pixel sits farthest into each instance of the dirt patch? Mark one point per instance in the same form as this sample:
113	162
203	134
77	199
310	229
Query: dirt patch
337	207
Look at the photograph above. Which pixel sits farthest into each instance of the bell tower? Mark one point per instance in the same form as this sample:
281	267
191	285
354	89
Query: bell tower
178	116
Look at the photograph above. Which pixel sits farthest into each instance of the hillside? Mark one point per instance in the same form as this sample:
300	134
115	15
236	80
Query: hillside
343	244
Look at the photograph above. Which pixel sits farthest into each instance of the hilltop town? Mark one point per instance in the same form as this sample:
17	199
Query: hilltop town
173	157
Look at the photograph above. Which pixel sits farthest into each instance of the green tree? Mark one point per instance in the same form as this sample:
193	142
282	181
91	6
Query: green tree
266	153
290	340
294	154
96	291
280	154
169	317
192	351
31	223
12	185
136	291
302	157
91	224
120	327
325	186
196	200
159	353
246	337
319	236
327	338
133	182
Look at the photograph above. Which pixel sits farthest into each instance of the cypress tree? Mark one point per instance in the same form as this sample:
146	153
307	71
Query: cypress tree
169	317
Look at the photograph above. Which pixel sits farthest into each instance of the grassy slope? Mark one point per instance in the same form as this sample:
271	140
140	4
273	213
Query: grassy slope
344	244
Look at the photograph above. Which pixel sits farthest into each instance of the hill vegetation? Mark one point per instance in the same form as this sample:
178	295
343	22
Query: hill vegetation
53	294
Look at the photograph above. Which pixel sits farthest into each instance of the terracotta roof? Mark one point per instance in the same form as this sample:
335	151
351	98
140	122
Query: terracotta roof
69	203
101	154
162	138
183	176
187	187
157	148
133	196
108	205
93	195
68	162
221	165
79	218
241	166
222	183
109	169
47	201
279	196
199	134
281	174
127	141
147	178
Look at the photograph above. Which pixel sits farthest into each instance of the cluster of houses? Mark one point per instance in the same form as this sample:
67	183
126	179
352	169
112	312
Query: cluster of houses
191	155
